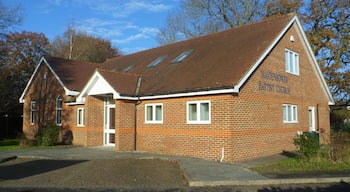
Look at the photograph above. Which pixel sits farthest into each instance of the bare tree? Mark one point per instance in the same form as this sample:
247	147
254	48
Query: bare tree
9	17
201	17
81	46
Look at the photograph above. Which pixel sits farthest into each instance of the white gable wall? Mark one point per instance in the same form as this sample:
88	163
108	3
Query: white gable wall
97	85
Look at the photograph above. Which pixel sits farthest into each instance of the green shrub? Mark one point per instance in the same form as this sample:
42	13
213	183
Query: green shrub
48	135
308	145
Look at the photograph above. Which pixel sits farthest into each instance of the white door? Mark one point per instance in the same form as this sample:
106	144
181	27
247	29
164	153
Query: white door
109	128
312	126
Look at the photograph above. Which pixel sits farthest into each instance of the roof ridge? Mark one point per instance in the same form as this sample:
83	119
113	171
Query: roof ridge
267	19
207	35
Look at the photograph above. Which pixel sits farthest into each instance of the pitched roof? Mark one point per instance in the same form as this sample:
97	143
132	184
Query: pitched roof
73	74
219	60
124	83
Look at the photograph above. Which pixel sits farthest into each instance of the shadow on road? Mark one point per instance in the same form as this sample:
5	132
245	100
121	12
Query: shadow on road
31	168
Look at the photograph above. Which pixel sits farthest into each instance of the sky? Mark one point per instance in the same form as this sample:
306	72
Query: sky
131	25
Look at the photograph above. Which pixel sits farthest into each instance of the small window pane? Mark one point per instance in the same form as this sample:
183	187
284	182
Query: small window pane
149	113
59	117
182	56
291	63
157	61
129	68
285	113
192	112
296	63
59	110
294	113
289	108
79	117
158	113
204	111
287	61
32	113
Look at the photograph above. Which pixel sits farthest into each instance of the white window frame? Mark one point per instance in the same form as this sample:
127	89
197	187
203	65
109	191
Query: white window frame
153	119
290	113
292	64
59	111
80	117
32	112
198	120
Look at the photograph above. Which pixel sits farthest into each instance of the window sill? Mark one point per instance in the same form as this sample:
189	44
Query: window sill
154	122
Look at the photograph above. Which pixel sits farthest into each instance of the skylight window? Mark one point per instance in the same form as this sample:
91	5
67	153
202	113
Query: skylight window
182	56
157	61
129	68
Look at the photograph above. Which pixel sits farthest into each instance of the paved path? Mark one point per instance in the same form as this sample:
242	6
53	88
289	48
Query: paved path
198	172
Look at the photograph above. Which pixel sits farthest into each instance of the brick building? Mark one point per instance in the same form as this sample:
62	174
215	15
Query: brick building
233	95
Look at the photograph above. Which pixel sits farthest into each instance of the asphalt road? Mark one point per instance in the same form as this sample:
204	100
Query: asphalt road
42	175
339	187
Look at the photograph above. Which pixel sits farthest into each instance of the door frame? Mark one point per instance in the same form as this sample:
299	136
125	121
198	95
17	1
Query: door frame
107	124
312	118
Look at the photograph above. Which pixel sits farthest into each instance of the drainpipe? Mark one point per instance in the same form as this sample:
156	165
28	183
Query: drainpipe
222	154
318	119
137	91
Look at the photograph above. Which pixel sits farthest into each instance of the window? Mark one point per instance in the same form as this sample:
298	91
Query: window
59	110
154	113
32	112
80	117
157	61
290	113
198	112
292	62
129	68
182	56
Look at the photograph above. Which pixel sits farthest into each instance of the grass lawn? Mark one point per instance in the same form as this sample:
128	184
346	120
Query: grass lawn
295	165
14	144
10	144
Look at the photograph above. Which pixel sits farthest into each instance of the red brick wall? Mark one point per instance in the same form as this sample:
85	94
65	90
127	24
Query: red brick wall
124	124
45	92
94	113
177	137
259	119
248	125
79	132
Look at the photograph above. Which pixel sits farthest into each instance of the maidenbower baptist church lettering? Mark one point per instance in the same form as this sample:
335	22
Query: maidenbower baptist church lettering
264	86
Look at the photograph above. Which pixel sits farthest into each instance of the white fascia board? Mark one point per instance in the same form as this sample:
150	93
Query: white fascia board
76	103
191	94
71	93
43	60
315	63
264	55
90	85
21	99
67	91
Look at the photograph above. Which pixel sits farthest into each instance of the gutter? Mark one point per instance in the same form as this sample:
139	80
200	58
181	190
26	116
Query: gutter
137	91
